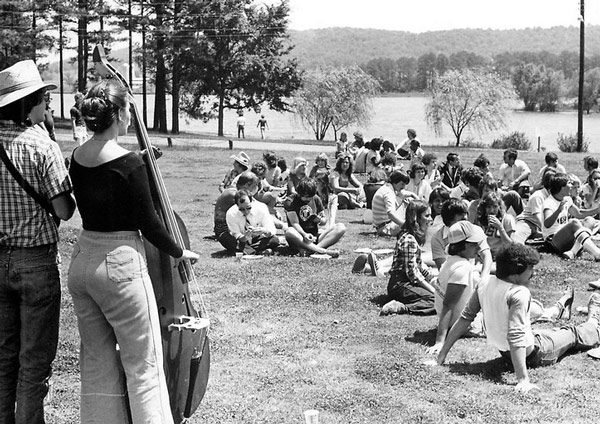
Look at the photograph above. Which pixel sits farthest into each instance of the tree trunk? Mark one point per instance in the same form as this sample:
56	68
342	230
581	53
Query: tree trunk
175	94
81	46
160	102
221	107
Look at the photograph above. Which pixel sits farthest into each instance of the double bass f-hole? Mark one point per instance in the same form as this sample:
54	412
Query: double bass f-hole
184	326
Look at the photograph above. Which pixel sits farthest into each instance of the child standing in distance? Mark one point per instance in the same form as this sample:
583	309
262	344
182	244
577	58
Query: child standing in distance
241	162
262	124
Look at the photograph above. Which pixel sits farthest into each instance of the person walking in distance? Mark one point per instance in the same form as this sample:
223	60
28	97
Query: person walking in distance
262	124
77	122
241	124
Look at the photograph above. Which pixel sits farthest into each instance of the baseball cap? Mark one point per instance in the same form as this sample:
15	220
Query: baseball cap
465	231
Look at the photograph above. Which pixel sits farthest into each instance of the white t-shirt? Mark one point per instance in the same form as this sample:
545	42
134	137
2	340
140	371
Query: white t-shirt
507	174
456	270
551	204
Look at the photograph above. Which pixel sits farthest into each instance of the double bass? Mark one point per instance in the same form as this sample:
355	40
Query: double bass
184	325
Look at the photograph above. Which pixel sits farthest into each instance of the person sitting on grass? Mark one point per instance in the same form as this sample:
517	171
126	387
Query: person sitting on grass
409	285
387	205
504	301
564	235
453	211
273	173
418	184
496	223
304	211
297	173
529	223
241	163
432	174
252	226
390	164
373	159
551	160
344	183
451	171
514	174
247	181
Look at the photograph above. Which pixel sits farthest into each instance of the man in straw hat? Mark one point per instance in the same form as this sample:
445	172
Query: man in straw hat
29	283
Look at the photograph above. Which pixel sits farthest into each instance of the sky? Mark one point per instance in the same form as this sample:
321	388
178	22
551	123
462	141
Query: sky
435	15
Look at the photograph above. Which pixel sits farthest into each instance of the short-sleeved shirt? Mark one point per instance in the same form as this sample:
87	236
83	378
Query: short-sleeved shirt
456	270
507	174
23	221
307	212
551	204
384	201
493	235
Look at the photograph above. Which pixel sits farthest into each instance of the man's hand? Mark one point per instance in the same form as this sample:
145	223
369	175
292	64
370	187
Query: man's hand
494	222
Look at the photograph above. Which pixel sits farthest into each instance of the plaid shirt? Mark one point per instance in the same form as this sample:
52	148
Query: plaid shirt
407	265
23	222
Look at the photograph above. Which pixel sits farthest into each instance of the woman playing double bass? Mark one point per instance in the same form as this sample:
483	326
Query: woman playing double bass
122	377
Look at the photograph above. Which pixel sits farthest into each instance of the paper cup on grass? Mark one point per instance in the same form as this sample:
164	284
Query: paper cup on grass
311	416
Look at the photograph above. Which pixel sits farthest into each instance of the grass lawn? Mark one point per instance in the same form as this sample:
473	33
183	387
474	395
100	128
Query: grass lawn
290	334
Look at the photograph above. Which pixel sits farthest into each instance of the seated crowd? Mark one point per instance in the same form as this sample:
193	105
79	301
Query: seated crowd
461	235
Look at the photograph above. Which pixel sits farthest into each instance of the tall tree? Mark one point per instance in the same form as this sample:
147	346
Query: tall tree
240	55
336	98
468	99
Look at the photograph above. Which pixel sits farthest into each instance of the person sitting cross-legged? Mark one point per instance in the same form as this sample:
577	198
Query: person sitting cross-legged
504	301
304	211
251	224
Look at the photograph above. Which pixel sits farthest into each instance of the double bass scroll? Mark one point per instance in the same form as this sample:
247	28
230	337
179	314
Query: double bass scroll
184	326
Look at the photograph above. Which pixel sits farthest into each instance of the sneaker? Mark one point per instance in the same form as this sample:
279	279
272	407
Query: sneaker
394	307
567	255
268	252
372	259
359	264
594	285
594	307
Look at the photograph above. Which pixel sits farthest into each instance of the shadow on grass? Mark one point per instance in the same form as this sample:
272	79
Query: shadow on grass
221	254
380	300
491	370
423	338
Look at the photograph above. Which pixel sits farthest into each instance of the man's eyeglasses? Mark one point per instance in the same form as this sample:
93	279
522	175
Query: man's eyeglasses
248	208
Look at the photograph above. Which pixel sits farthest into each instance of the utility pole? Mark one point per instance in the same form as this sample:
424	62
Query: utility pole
581	72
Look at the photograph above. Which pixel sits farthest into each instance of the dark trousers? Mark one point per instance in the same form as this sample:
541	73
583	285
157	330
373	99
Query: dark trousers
29	317
258	244
418	300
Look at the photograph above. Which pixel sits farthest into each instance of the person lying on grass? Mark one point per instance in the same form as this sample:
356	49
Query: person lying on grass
564	235
459	278
305	213
504	301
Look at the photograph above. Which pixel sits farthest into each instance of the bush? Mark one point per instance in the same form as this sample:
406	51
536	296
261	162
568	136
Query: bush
470	142
568	143
514	140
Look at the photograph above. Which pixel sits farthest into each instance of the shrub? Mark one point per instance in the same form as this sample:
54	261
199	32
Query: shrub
514	140
471	143
568	143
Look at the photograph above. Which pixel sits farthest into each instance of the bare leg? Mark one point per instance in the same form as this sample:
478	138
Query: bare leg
331	235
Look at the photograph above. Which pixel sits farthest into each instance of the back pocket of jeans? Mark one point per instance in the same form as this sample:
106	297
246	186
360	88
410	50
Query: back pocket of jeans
122	264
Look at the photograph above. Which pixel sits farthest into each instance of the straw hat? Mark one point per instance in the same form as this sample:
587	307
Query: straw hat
20	80
242	158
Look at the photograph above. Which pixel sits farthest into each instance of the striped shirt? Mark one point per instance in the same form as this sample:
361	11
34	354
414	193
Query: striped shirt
384	201
24	223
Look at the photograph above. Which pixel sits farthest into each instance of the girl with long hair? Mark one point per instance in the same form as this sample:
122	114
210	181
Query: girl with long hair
409	286
345	184
497	225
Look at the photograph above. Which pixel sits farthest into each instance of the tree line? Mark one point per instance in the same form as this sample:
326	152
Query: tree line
234	51
541	79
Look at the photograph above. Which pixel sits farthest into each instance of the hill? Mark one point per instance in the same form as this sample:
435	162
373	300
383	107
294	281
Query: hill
356	45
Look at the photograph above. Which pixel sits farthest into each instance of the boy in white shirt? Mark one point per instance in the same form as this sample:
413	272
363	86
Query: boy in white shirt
504	300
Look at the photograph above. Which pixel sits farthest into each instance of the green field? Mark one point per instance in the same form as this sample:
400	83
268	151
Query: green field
290	334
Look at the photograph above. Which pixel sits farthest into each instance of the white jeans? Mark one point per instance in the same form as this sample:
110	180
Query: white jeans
119	329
